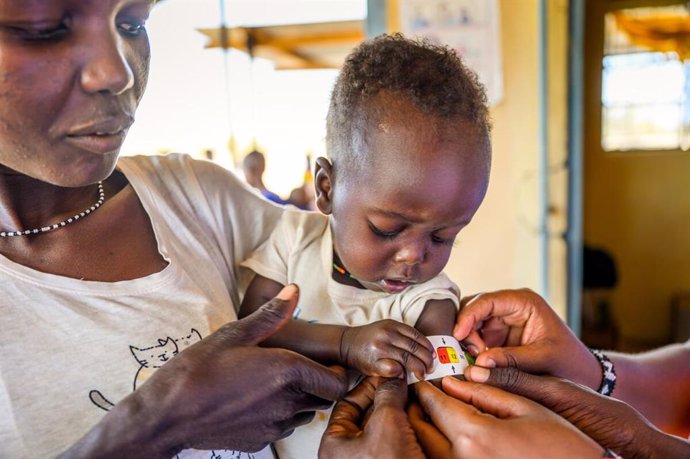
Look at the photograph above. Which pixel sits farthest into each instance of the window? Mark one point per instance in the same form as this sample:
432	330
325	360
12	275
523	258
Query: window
646	83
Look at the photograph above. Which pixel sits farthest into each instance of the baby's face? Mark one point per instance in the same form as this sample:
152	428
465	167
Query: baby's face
395	224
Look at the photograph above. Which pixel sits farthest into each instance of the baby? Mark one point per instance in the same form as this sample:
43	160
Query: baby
408	165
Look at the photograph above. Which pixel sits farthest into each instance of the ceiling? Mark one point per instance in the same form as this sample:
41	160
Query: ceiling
295	46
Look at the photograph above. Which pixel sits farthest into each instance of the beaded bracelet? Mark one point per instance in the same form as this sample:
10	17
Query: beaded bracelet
608	379
608	453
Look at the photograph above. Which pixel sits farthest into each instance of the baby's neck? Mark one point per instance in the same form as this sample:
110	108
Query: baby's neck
340	274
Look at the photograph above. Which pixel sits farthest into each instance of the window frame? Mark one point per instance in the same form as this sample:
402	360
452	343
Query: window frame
595	14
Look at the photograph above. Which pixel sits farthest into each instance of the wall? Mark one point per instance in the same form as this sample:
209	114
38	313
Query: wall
637	206
558	151
500	248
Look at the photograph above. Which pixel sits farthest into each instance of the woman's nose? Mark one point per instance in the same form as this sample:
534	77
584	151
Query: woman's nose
106	68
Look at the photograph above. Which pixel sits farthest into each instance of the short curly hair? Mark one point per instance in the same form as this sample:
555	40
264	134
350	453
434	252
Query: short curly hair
431	77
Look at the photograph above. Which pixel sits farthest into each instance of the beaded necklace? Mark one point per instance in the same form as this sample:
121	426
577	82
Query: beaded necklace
45	229
342	271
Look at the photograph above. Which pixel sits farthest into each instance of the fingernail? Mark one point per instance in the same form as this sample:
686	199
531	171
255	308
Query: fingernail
490	363
472	349
287	292
479	374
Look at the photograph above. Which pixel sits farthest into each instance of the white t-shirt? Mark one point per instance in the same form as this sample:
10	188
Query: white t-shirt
71	348
300	251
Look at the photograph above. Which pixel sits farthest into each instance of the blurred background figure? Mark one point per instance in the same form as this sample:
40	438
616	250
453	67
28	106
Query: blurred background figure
600	277
254	165
302	197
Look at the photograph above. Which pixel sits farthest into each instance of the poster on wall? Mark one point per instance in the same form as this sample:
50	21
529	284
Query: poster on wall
470	27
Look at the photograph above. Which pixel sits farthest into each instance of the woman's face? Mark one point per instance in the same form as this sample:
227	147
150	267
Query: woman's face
72	73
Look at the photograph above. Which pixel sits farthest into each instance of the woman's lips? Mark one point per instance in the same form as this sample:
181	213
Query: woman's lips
101	135
97	142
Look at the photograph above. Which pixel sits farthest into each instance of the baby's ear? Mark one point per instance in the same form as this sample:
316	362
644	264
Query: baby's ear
323	182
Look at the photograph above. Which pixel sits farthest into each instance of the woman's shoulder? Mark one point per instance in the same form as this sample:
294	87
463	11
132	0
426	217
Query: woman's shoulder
203	189
177	167
304	218
183	179
303	225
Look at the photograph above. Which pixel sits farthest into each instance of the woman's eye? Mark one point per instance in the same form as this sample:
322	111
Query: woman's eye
382	233
132	29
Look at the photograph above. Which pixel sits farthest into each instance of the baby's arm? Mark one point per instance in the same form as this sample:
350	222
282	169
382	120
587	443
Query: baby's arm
317	341
437	318
384	348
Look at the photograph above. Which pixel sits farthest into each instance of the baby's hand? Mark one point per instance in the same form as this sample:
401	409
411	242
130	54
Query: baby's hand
386	348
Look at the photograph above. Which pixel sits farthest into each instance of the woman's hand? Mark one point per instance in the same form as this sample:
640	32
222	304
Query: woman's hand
613	424
370	422
223	392
386	348
474	420
518	328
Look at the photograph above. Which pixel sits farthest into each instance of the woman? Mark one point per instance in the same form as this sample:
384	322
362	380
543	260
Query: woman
109	269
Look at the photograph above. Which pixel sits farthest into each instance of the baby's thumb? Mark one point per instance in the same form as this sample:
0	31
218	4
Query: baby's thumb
269	318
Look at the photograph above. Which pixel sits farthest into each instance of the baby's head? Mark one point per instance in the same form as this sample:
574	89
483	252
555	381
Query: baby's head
409	159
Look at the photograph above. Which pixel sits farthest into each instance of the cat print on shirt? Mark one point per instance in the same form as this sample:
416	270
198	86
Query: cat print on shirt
150	358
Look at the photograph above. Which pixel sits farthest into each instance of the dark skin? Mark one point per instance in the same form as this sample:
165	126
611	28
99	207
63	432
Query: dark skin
521	330
393	225
196	401
373	410
470	420
611	423
73	72
34	189
90	249
384	348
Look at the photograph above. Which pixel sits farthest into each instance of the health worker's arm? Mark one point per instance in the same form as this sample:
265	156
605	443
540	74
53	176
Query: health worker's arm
518	328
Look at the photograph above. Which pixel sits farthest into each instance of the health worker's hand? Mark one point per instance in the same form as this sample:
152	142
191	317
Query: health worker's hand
473	420
518	328
611	423
386	348
370	422
223	392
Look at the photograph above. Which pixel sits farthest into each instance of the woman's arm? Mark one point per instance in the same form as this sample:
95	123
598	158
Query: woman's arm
657	383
